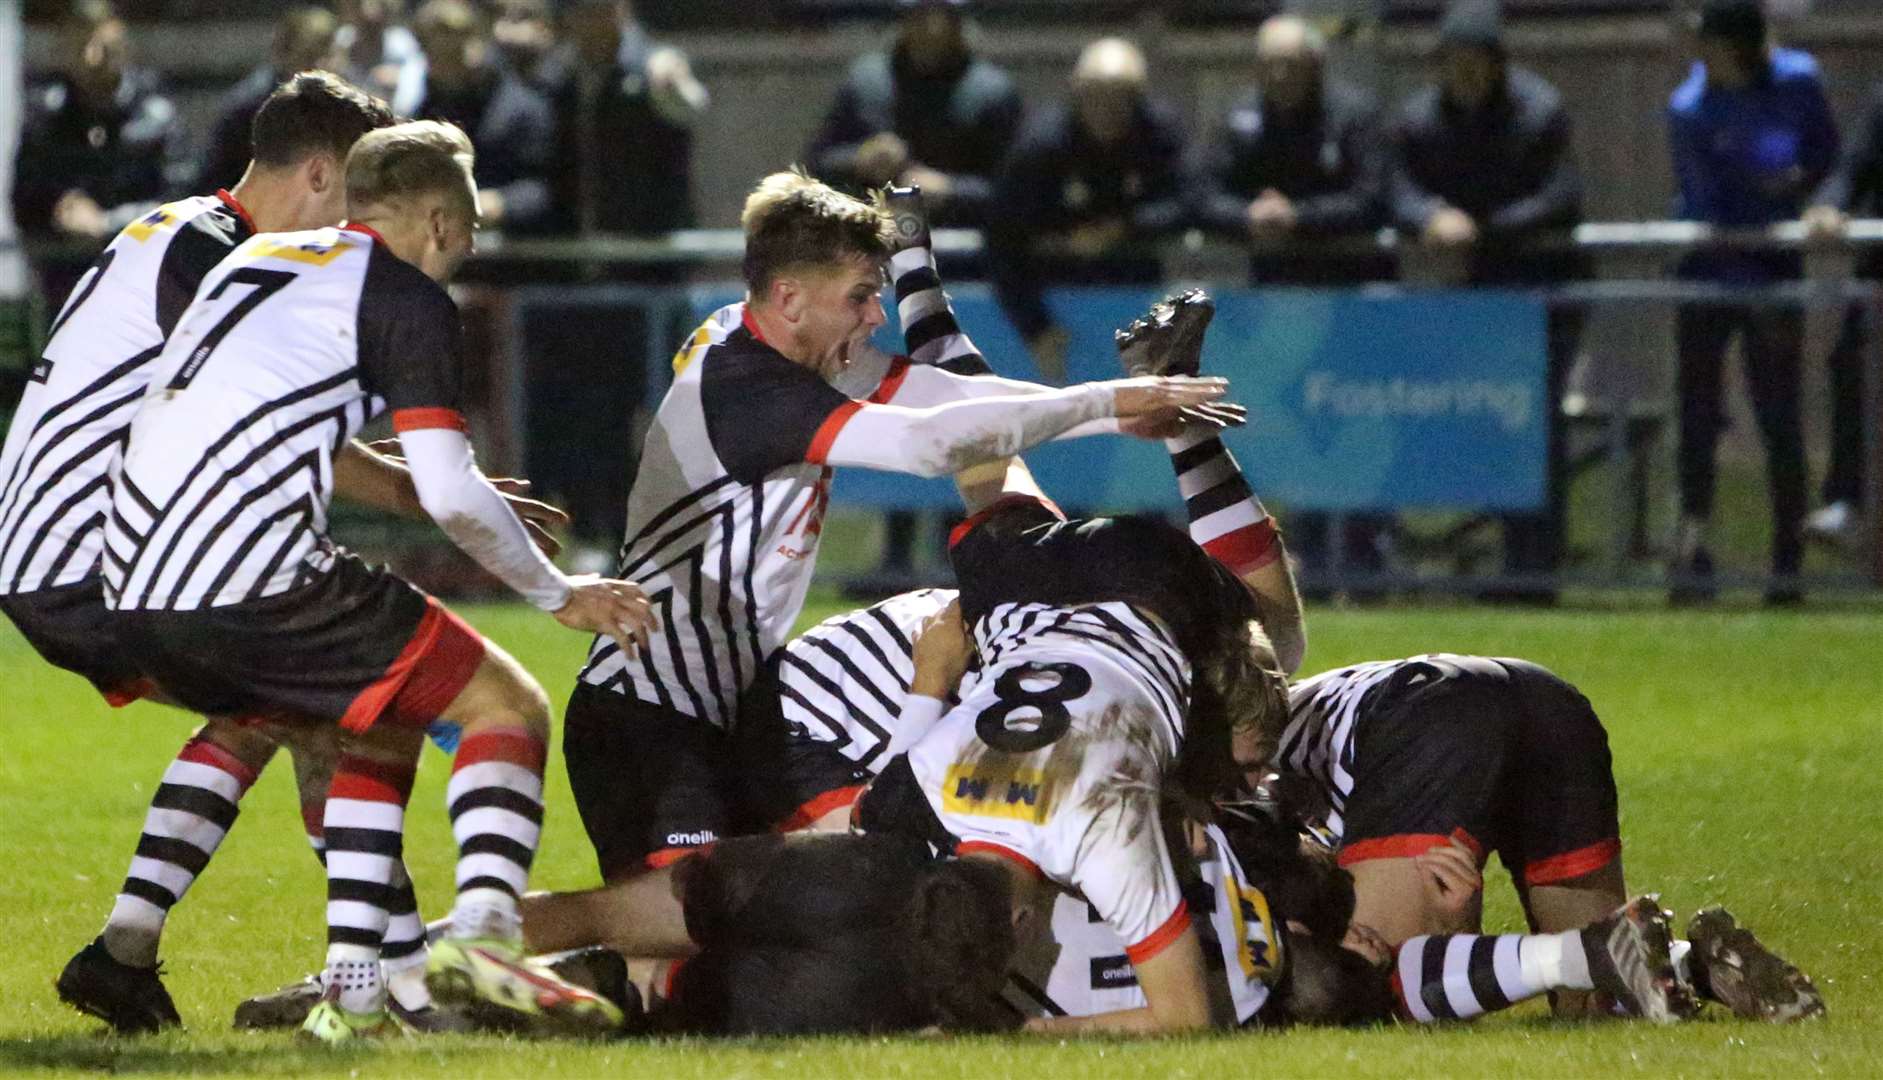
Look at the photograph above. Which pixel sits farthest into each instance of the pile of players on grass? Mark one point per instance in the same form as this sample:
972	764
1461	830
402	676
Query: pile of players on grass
1080	790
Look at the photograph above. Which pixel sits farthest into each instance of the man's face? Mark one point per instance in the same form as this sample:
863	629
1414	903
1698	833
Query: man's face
1106	108
1725	63
931	37
1289	80
1470	75
453	235
448	54
98	57
839	308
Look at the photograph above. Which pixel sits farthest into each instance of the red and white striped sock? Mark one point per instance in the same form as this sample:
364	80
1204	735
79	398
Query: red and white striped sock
195	804
496	805
1226	519
364	825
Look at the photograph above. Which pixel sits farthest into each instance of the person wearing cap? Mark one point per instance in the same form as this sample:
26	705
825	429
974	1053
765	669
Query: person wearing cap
1854	188
1086	185
1481	170
1752	138
926	112
1297	161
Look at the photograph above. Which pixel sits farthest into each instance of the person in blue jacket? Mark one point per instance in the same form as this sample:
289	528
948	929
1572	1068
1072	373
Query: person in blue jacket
1752	138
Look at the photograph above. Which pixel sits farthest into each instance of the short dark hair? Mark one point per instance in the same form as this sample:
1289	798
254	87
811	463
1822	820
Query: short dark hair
314	112
794	220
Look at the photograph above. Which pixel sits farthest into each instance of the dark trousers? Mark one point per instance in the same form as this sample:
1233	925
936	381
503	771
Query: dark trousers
1533	543
1844	481
1772	341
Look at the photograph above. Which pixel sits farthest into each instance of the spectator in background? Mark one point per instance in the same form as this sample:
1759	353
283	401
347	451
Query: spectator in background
1299	161
97	142
379	54
1752	137
927	112
304	40
524	32
628	109
1481	171
1085	186
512	125
1855	188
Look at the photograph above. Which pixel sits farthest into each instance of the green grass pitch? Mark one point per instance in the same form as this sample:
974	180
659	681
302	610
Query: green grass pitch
1746	747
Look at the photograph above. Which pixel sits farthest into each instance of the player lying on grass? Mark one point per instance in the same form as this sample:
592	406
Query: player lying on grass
726	511
55	493
225	587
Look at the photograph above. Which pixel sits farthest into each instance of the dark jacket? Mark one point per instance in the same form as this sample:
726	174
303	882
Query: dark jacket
1328	159
960	122
1509	165
621	166
513	128
118	154
1856	185
230	146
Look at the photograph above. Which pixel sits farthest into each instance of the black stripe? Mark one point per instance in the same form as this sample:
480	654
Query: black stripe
1224	495
1185	460
896	678
498	798
650	552
15	506
303	527
841	734
303	507
376	893
137	495
58	514
1135	641
670	632
831	688
669	513
149	891
499	845
647	657
91	526
352	935
366	841
1483	972
100	383
727	528
696	592
751	567
1027	987
895	632
392	950
179	853
1432	978
890	705
308	462
929	329
918	279
404	900
201	801
486	882
1168	709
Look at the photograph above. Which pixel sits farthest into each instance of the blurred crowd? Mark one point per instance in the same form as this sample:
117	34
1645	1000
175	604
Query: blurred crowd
570	104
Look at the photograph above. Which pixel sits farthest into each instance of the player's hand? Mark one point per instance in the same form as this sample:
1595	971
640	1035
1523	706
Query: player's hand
943	647
539	518
1451	227
1216	416
1148	395
1369	943
78	214
1825	225
605	606
1452	883
1271	217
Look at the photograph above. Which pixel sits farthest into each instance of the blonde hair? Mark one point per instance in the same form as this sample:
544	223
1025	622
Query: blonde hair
792	220
404	161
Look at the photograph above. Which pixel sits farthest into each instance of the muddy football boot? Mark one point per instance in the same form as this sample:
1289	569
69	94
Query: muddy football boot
1629	960
1168	340
1734	968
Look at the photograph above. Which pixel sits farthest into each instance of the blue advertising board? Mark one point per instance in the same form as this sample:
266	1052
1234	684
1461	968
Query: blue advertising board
1427	399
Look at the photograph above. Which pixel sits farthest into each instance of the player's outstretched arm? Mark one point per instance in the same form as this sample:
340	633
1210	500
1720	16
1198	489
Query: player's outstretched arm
944	439
1176	995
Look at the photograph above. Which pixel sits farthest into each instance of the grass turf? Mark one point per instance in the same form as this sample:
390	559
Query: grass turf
1745	748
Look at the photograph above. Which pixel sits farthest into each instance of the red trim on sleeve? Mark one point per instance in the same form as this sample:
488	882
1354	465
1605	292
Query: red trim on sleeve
667	856
827	431
404	420
1246	549
241	211
982	847
804	816
1572	864
363	230
204	752
1160	938
1405	846
436	664
892	381
973	521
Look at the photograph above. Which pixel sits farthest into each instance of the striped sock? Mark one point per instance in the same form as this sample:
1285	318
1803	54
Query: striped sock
1226	519
364	825
1459	976
929	330
496	804
403	955
194	806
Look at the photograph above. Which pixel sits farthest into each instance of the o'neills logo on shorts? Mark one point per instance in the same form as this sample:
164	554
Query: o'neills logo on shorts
1113	973
681	839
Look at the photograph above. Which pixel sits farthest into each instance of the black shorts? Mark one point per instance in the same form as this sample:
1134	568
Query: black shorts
1501	754
73	629
1021	550
356	644
650	783
787	777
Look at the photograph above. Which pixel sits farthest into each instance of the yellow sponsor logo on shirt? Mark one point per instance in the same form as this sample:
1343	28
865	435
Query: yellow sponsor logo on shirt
162	219
978	791
309	254
691	350
1257	945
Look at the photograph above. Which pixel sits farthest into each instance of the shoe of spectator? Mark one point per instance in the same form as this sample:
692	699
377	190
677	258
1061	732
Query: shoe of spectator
1835	523
1169	339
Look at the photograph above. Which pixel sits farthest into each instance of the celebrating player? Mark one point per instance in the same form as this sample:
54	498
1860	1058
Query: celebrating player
55	496
224	585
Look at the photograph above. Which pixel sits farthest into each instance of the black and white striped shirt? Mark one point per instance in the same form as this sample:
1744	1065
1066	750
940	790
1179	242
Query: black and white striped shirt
223	489
76	413
726	514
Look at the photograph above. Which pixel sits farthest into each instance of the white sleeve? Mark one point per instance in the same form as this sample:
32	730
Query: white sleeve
941	440
923	385
476	518
1123	867
919	713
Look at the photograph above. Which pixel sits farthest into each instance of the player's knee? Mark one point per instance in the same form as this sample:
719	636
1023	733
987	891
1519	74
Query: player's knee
250	745
502	694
